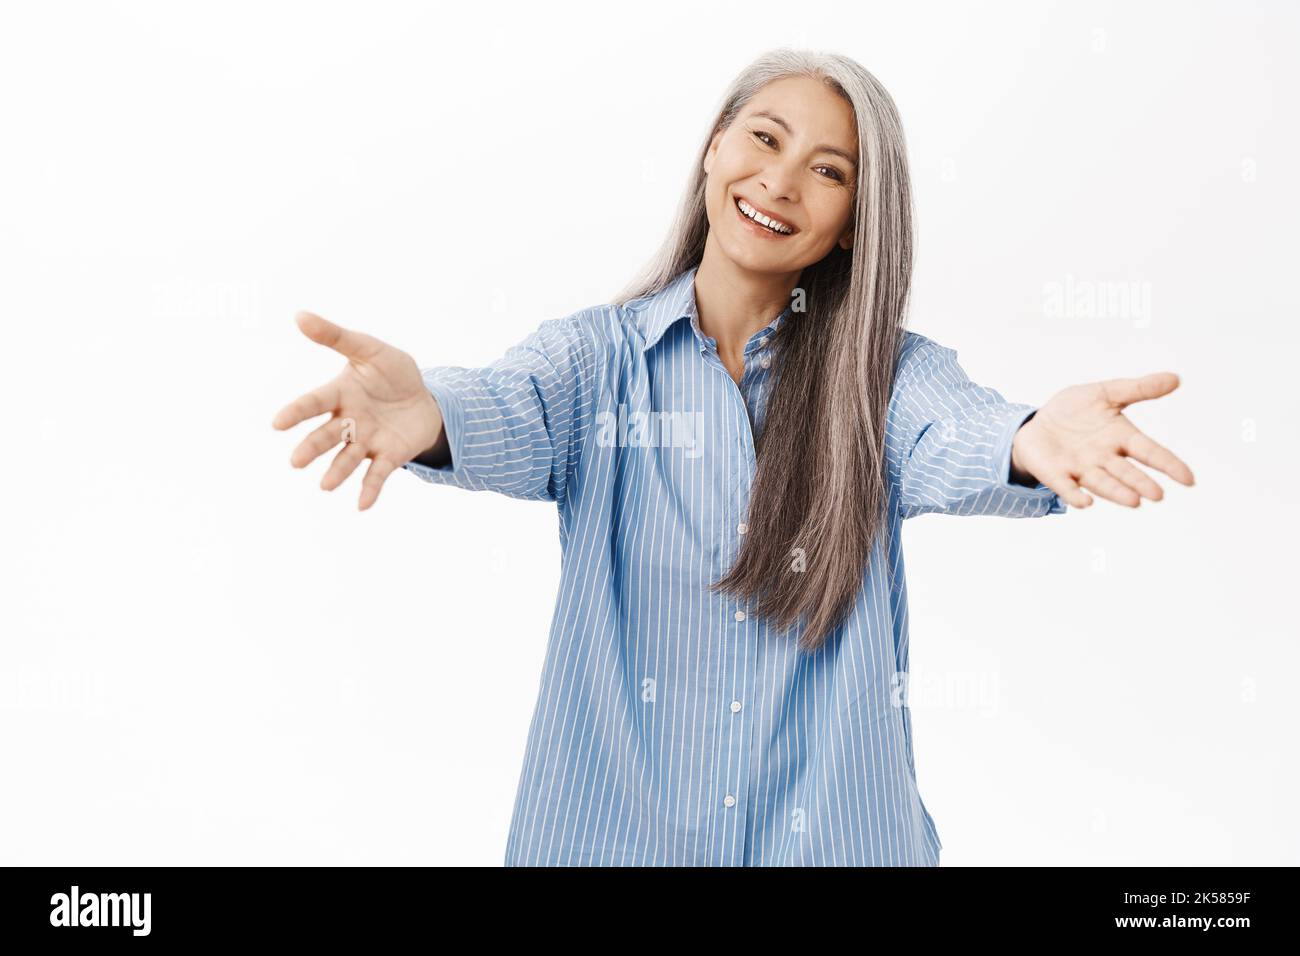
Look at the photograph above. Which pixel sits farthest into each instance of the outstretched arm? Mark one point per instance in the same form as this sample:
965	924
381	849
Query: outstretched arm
949	441
516	426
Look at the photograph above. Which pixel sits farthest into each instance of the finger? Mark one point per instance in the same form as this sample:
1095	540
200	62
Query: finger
1126	391
1137	479
345	462
379	470
355	345
1068	490
1101	482
317	443
316	402
1155	455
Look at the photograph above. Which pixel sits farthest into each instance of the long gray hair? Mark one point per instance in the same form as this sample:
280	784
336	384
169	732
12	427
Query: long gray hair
819	494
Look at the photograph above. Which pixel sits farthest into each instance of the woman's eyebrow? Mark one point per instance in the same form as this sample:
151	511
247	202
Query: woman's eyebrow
834	151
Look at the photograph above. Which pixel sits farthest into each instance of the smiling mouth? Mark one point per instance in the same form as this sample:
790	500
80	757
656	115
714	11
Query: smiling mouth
767	226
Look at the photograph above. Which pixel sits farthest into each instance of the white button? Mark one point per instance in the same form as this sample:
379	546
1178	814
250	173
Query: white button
740	615
735	706
742	527
729	800
765	361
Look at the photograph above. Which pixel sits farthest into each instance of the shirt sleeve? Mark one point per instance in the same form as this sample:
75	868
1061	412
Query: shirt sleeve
948	441
517	426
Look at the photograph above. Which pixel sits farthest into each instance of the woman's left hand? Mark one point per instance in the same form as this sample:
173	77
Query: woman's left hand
1081	439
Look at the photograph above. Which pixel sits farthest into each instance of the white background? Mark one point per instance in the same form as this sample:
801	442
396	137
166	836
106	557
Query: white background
208	660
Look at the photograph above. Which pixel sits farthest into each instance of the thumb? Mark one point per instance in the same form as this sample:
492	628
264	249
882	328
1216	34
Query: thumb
355	345
1126	391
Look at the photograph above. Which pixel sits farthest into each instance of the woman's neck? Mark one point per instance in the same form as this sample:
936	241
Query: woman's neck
734	303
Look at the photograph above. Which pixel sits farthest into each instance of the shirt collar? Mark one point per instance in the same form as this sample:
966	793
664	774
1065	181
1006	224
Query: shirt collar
676	301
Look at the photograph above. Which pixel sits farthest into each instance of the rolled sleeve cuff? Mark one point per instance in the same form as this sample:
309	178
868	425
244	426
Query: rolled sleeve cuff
1014	416
452	406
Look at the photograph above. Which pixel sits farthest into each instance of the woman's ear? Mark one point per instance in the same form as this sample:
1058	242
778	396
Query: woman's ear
709	153
846	240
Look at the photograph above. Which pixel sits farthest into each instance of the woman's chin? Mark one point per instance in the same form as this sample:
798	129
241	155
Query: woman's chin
755	257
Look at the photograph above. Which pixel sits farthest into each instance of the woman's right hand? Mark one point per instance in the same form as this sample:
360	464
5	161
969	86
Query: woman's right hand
381	390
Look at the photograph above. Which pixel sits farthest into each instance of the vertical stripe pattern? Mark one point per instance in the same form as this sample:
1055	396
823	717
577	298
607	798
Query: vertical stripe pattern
672	728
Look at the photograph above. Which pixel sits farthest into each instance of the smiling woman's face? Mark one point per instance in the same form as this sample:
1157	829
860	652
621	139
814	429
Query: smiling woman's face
790	156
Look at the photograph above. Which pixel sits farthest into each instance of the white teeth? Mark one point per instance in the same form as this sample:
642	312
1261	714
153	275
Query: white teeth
774	224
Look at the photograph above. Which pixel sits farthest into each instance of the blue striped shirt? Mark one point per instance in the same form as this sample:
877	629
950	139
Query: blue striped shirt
671	727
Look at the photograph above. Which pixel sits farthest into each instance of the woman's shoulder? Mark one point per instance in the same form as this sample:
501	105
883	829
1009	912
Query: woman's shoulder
914	346
605	327
611	327
915	351
596	342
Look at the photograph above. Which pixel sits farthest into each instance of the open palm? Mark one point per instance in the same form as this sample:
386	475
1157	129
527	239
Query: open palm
1081	439
393	416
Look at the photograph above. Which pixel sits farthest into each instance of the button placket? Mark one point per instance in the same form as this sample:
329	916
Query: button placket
736	785
739	648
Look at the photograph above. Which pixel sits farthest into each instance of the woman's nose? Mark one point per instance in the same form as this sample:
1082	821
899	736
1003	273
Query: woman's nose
779	182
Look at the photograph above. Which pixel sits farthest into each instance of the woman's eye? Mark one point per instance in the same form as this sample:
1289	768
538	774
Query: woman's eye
763	138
